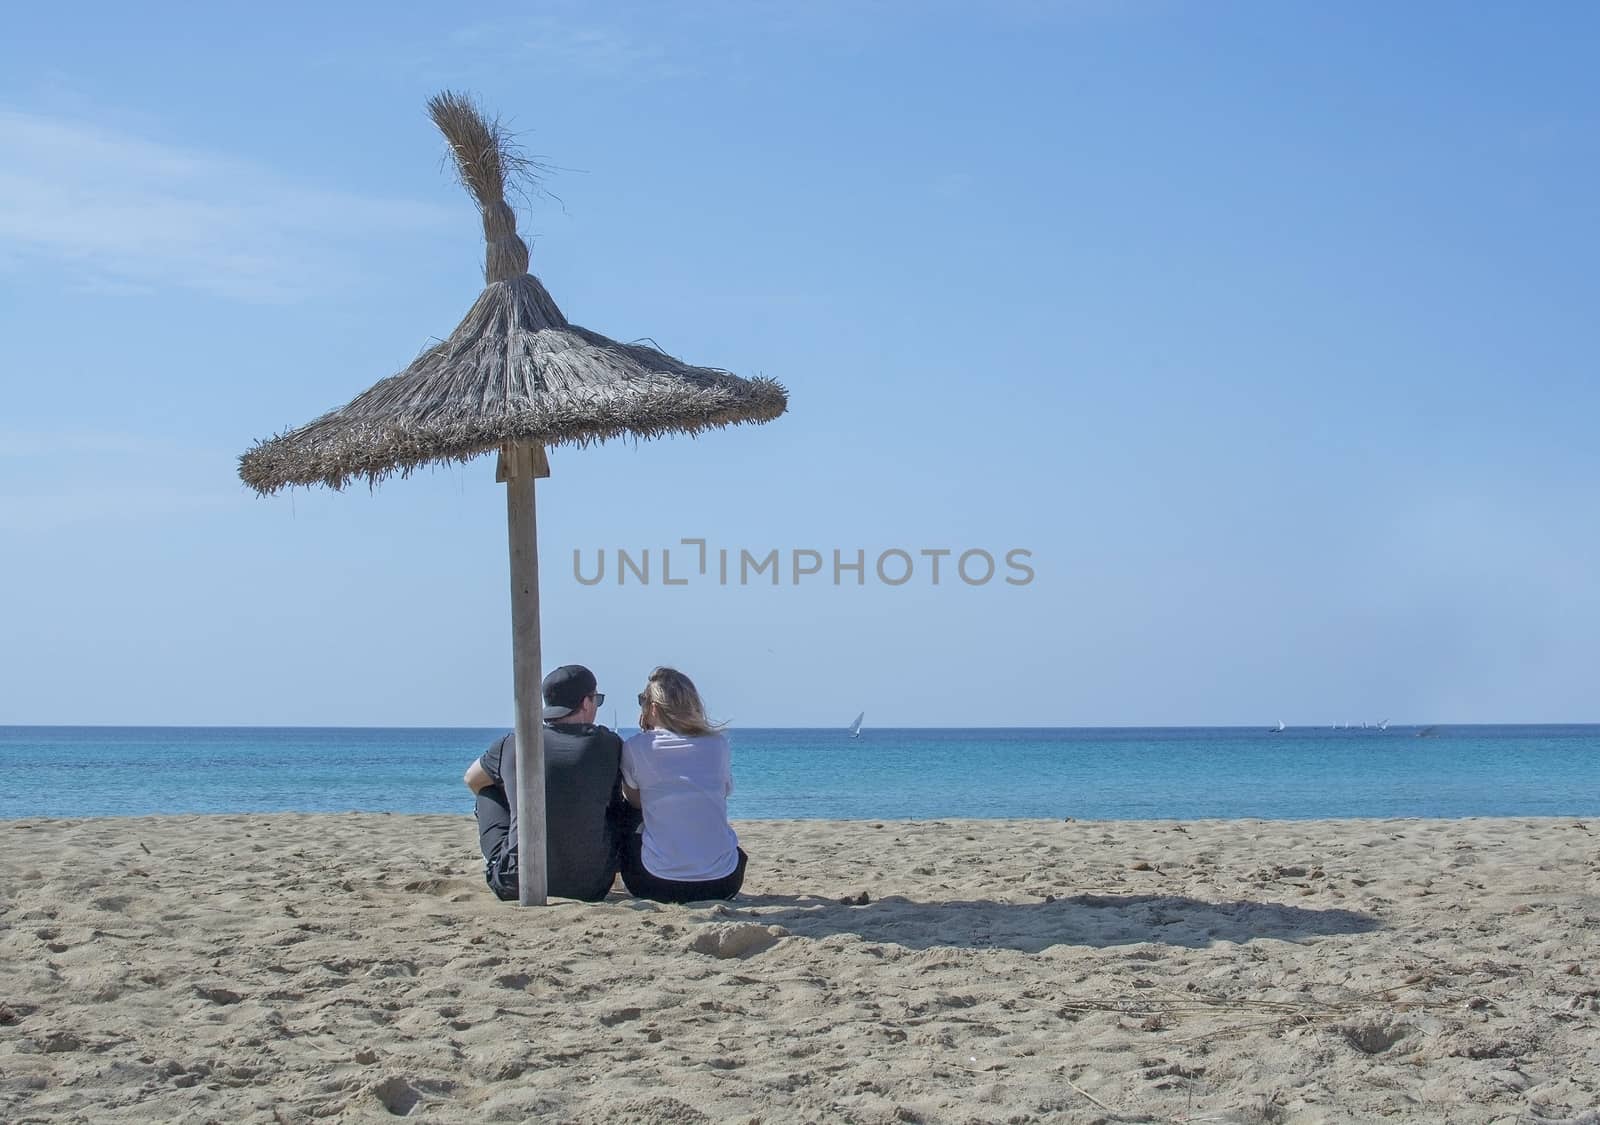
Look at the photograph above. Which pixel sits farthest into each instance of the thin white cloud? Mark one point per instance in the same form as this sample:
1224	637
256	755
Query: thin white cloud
603	51
81	442
128	215
39	512
574	47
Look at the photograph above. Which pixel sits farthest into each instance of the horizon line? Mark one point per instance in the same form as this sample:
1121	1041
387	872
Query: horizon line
917	727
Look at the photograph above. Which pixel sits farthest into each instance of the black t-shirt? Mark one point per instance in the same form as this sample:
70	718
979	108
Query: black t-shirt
583	804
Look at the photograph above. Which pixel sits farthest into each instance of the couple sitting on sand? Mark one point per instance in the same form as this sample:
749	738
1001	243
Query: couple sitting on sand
675	772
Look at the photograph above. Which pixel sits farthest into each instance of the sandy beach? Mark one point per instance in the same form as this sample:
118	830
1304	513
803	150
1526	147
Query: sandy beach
353	967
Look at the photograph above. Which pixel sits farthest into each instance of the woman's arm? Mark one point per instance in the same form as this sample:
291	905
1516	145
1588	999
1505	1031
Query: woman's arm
629	771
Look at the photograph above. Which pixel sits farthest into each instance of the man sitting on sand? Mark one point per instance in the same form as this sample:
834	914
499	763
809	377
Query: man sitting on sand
586	817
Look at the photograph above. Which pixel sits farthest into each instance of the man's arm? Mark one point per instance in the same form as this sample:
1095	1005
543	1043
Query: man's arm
631	795
477	778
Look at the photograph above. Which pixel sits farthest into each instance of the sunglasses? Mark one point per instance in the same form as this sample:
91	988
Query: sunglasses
599	697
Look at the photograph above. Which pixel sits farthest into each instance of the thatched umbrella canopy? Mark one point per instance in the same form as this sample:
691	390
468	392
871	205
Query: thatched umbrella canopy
513	378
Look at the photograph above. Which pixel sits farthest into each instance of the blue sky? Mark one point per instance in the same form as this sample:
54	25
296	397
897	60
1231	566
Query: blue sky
1267	328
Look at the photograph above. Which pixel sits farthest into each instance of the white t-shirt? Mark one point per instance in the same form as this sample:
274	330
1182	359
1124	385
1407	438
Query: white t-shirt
683	786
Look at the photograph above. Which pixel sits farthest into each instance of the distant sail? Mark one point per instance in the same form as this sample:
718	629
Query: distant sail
1279	729
855	727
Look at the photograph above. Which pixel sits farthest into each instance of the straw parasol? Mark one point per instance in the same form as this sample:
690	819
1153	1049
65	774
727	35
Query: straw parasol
513	378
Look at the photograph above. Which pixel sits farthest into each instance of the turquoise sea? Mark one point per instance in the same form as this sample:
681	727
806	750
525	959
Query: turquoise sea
1122	773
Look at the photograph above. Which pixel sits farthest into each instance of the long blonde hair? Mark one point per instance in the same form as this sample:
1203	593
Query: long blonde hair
677	704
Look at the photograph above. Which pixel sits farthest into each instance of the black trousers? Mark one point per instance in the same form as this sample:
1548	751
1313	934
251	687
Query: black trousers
500	850
642	884
494	840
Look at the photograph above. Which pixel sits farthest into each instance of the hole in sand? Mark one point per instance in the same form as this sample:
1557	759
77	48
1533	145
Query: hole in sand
396	1095
1375	1038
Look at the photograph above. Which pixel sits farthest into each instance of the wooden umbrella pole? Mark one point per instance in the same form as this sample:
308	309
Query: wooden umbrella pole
520	525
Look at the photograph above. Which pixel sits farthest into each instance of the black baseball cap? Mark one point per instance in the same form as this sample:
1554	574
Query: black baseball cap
565	690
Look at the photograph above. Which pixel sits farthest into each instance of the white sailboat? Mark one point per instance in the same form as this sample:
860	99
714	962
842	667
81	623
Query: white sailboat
1384	725
855	727
1279	729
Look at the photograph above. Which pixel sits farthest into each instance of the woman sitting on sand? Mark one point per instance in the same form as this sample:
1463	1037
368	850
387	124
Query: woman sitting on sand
676	769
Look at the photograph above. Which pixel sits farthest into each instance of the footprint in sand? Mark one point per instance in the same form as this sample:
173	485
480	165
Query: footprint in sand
1375	1038
396	1095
